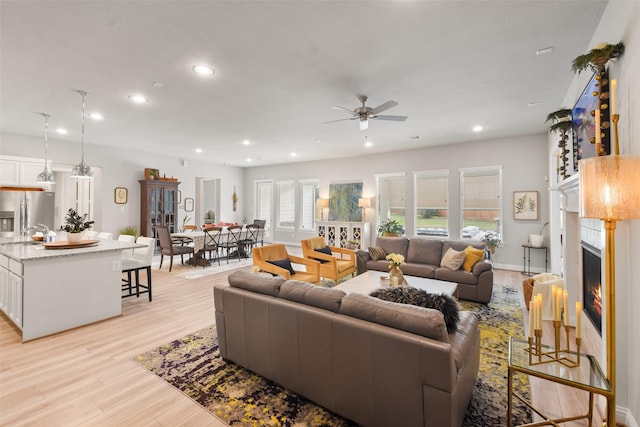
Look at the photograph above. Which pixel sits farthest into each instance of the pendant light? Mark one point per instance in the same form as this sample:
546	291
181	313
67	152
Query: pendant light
82	170
45	177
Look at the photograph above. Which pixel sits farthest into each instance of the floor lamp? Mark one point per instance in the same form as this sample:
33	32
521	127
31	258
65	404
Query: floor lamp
609	191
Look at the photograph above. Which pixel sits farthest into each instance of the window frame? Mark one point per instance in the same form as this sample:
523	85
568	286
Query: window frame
500	219
436	174
309	205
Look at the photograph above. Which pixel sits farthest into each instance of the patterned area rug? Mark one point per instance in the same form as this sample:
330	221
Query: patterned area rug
239	397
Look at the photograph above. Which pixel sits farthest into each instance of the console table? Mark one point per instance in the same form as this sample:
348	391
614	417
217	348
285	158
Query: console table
526	258
336	233
588	376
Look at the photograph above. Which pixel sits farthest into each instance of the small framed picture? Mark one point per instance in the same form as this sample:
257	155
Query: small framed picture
120	195
525	205
188	204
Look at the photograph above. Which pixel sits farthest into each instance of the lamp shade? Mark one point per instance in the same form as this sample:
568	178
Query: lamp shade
364	202
610	187
322	203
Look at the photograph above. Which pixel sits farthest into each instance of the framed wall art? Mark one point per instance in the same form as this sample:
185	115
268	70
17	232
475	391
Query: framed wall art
525	205
120	195
343	201
188	204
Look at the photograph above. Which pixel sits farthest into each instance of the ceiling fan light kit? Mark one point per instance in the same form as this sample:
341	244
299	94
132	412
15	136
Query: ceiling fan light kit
364	113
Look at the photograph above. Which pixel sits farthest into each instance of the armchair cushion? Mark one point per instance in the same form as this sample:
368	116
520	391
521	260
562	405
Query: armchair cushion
324	250
283	263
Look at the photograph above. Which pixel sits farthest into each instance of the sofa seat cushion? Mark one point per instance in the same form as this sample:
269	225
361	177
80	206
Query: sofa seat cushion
419	270
458	276
317	296
463	338
445	304
256	283
393	245
425	322
424	251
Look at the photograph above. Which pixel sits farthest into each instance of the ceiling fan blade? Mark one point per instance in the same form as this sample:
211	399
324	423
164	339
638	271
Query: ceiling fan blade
364	124
340	120
394	118
384	107
347	110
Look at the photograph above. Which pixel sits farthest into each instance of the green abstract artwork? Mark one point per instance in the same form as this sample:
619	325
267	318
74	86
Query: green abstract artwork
343	202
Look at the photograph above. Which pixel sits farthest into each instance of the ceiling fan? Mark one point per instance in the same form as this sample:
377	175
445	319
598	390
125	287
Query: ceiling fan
364	113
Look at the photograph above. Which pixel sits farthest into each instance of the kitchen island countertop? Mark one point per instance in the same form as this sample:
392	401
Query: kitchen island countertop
25	250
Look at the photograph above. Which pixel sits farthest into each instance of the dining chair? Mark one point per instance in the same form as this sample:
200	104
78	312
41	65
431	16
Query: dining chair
231	242
105	236
168	247
251	238
91	234
212	236
141	259
262	223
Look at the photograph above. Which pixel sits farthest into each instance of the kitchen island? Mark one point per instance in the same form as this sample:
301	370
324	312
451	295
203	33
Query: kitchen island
44	291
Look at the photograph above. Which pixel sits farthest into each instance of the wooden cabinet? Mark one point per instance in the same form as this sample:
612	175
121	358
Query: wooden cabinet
11	289
337	233
158	206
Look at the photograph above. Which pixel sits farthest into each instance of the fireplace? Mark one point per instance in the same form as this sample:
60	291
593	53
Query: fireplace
592	285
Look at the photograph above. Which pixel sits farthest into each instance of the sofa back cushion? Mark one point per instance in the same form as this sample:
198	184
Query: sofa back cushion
393	245
424	251
460	245
425	322
317	296
255	283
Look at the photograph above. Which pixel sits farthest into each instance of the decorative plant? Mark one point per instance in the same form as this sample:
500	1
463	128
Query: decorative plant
186	219
562	124
391	226
543	227
76	223
353	242
597	57
395	260
492	239
130	231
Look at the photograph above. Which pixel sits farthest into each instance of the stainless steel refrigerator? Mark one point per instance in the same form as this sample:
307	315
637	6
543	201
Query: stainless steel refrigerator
20	210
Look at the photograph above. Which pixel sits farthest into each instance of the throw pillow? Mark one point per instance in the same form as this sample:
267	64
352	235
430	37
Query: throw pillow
444	303
326	250
377	253
452	259
472	255
283	263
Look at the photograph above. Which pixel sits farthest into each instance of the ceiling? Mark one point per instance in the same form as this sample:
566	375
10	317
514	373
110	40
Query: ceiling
280	66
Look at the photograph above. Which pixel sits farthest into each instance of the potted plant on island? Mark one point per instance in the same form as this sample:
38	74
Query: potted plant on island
391	228
75	225
492	239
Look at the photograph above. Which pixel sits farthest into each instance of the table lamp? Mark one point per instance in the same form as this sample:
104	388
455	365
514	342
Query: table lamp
322	204
364	203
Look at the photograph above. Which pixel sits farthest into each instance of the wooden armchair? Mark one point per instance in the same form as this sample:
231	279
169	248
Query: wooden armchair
340	263
278	253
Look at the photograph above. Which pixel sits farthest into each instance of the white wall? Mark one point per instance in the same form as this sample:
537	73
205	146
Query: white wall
620	23
524	162
123	168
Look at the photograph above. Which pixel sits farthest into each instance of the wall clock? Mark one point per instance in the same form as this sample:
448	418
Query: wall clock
120	195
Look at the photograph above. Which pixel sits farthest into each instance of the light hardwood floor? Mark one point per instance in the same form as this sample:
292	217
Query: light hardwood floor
87	376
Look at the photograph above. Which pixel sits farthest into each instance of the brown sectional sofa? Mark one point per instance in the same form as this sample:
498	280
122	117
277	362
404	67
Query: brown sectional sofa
375	362
423	257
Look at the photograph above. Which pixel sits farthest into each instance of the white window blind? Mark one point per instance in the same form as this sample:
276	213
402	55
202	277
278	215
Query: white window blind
432	203
286	204
481	200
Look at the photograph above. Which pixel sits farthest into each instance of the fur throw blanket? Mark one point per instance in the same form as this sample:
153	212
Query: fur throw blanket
446	304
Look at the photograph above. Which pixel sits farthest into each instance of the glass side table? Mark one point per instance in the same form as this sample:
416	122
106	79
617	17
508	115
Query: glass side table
588	376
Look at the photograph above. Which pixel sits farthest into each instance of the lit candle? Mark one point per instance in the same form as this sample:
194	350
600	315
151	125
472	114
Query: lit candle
531	317
565	305
554	300
614	86
539	312
578	322
597	129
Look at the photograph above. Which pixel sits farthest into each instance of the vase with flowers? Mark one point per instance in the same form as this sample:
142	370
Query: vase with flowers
396	277
75	224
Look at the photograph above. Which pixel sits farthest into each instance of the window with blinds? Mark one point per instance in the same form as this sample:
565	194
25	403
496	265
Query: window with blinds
390	198
286	204
481	201
309	192
432	203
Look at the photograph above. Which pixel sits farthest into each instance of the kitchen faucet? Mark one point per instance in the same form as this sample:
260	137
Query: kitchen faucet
40	227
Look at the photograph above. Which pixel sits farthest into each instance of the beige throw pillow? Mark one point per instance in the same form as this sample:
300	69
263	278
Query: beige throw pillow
377	253
452	259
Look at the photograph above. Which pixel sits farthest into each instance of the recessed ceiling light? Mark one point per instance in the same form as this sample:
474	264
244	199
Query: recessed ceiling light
246	142
61	131
293	154
96	116
316	141
533	104
477	128
368	144
249	159
544	51
198	150
203	70
138	99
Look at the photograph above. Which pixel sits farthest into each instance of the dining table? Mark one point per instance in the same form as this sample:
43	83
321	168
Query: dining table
198	237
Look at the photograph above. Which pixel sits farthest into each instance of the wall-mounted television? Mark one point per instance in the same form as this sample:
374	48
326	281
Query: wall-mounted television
583	115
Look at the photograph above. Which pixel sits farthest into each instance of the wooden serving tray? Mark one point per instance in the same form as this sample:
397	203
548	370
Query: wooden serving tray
70	245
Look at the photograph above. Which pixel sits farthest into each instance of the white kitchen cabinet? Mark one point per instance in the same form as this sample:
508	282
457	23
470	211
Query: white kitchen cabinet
4	283
11	289
20	170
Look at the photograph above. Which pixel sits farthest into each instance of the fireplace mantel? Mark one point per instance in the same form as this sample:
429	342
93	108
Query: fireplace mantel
570	189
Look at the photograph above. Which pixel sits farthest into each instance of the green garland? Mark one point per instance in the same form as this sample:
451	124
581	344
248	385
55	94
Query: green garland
563	126
594	57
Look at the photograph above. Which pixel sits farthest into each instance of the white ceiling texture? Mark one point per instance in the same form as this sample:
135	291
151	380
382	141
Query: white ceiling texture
280	66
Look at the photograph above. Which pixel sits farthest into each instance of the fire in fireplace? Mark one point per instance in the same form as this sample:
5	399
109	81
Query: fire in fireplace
592	285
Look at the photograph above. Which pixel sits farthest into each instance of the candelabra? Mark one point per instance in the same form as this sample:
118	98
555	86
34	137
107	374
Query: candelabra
558	354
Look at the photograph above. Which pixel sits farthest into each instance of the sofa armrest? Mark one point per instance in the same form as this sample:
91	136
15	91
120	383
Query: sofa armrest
362	257
312	266
350	253
481	266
